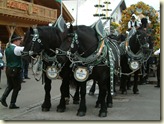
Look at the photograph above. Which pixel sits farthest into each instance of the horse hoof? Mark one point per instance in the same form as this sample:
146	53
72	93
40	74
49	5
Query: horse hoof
103	114
135	92
60	110
67	102
91	93
109	105
81	114
98	106
45	109
75	102
124	92
128	88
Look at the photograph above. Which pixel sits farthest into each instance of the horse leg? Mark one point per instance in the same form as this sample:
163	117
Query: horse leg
103	93
76	95
93	87
116	82
82	106
64	89
47	99
129	82
109	96
98	102
135	85
123	84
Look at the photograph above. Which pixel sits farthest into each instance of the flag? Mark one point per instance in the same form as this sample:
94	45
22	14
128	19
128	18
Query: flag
58	1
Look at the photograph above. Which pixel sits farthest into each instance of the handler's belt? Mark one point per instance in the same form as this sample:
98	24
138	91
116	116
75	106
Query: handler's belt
13	71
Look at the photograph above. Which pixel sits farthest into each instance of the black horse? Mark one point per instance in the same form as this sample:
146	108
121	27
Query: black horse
114	39
91	58
43	41
136	51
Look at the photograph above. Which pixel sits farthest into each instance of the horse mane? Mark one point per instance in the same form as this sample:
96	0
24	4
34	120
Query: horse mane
50	36
89	40
134	45
26	36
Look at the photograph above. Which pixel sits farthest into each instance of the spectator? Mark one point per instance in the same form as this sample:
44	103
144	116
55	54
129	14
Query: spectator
1	65
25	69
133	23
157	52
13	71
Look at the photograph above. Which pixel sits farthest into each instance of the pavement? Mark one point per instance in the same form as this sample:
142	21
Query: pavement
144	106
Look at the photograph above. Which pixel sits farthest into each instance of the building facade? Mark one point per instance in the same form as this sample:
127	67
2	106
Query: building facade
18	15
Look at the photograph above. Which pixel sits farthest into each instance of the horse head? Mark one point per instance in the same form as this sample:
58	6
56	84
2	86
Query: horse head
80	40
32	42
42	38
139	45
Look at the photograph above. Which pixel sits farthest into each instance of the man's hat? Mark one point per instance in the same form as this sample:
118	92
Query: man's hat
134	16
15	37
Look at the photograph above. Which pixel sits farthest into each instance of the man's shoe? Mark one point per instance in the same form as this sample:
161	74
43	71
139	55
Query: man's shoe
13	106
3	102
27	78
23	81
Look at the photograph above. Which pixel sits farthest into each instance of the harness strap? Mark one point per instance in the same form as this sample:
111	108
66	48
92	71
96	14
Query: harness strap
94	58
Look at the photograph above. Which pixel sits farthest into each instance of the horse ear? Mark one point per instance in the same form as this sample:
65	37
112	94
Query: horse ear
31	29
71	28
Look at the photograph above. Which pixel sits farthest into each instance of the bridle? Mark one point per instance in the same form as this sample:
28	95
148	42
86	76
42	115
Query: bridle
140	55
35	38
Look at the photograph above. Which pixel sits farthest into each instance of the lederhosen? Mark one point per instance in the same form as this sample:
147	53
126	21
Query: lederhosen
13	72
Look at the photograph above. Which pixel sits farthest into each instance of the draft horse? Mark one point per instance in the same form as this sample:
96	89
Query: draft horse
91	58
136	51
43	41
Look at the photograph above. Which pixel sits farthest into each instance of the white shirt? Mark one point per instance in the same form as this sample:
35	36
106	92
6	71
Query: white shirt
1	56
133	24
157	52
18	50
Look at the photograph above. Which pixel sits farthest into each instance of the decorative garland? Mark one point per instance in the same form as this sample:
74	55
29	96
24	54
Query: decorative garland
115	25
142	9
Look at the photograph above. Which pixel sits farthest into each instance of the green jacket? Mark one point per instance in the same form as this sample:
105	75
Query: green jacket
12	60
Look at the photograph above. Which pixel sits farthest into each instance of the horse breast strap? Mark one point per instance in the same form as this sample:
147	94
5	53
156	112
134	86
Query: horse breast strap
95	57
